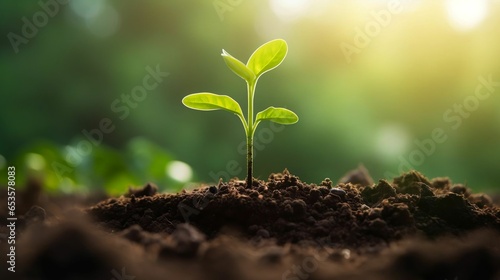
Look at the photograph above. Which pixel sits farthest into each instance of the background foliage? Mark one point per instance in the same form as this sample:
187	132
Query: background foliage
369	107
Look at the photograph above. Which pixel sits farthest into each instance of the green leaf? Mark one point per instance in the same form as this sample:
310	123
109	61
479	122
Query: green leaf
148	161
267	56
277	115
205	101
238	67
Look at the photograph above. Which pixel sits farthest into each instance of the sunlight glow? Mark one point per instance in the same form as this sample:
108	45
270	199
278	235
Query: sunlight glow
290	9
392	140
466	14
179	171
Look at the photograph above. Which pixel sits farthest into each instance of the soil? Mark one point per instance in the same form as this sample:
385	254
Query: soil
281	228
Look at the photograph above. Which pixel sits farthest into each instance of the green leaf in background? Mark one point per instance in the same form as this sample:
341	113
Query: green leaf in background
101	168
151	164
206	101
98	169
45	162
148	159
277	115
238	67
118	184
268	56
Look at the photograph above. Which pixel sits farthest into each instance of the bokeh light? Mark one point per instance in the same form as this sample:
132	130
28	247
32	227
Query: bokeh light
466	14
179	171
392	140
105	23
35	162
290	9
87	8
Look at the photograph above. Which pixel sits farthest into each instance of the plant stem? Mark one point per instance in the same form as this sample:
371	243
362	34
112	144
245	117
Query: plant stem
250	133
249	162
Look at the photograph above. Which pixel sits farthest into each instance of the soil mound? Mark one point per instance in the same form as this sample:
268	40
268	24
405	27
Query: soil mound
281	228
287	210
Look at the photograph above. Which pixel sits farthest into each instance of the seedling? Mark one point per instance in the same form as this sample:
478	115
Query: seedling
264	59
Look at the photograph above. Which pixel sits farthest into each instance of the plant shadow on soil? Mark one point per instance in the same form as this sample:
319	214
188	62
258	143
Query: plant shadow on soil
281	228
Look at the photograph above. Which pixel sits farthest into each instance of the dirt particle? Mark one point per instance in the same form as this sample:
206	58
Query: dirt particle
378	227
263	233
272	255
254	194
324	190
292	189
133	233
262	188
481	200
299	207
441	183
314	195
358	176
183	242
409	178
212	189
375	213
340	255
288	209
276	194
36	214
416	188
372	195
331	200
149	189
460	189
326	183
397	214
224	189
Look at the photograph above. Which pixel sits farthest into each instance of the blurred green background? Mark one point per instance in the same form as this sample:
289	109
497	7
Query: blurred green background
372	82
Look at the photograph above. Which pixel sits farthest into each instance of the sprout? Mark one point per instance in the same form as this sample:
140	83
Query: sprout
265	58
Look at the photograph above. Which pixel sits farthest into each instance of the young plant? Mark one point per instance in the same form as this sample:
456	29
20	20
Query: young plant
265	58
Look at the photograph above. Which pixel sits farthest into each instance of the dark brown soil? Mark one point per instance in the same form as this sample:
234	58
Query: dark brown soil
282	228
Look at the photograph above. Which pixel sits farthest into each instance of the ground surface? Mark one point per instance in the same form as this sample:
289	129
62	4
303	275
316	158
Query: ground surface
281	228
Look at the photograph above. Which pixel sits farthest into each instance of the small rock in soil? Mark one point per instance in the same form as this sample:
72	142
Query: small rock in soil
212	189
338	192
